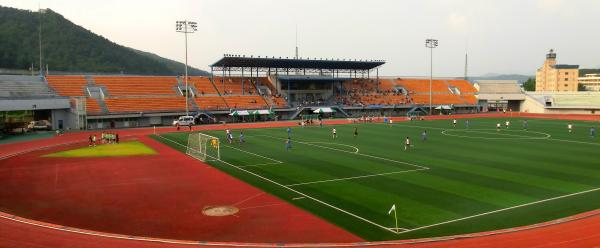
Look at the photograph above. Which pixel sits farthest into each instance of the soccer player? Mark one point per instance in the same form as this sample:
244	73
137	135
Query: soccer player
454	123
467	123
391	122
355	132
498	126
424	135
334	133
525	125
214	143
91	140
570	127
94	140
242	137
289	132
407	143
507	124
229	136
593	132
288	144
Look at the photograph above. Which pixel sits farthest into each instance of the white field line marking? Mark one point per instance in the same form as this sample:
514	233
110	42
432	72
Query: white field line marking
257	165
40	148
275	161
339	144
555	139
503	209
397	229
510	136
264	206
359	154
356	177
247	199
574	141
295	191
298	198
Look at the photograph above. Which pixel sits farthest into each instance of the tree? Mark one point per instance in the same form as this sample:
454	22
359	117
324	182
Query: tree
529	85
69	47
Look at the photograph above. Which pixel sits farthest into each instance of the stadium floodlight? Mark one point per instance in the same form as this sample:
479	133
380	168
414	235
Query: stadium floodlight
186	27
431	44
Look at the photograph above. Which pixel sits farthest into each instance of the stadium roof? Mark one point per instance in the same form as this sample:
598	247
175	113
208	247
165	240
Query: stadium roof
235	61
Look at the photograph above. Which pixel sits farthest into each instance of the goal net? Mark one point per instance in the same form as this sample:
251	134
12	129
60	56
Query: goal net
203	147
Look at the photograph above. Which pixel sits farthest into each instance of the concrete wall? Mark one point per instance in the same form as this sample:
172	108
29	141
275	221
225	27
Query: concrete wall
33	104
61	119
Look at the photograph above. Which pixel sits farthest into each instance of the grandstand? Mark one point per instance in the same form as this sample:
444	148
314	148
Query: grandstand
287	86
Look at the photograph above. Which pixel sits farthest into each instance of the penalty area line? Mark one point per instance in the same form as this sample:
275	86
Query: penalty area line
356	177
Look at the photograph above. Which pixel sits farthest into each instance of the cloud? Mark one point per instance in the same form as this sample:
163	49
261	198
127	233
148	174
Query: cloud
458	22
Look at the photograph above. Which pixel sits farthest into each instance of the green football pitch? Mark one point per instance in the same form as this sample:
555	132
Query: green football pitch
460	180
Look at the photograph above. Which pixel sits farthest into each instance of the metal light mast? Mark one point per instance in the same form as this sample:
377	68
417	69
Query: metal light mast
186	27
431	44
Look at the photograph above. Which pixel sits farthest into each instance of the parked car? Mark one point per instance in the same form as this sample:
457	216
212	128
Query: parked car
39	125
184	121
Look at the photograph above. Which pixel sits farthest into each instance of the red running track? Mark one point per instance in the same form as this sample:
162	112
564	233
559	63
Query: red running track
159	196
573	233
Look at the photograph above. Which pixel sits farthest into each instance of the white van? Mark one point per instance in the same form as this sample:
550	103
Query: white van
184	121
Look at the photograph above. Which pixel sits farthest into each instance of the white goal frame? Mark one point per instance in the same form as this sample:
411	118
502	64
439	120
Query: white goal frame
199	144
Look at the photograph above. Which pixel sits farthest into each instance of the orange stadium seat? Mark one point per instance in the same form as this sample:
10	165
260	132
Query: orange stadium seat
203	85
92	106
437	99
463	85
135	86
386	84
470	99
68	85
145	104
246	102
279	101
210	102
234	85
422	85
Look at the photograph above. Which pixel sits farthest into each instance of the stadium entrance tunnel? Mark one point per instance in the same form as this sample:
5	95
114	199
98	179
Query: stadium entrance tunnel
495	134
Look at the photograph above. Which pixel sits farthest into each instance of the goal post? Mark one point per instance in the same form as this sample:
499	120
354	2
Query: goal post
203	147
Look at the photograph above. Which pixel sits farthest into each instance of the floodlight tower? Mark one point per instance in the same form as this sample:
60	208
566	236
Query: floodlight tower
186	27
431	44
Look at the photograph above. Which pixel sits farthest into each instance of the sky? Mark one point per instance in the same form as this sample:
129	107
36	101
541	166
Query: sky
500	36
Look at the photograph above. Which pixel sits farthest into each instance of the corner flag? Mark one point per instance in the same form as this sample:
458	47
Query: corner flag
392	209
395	215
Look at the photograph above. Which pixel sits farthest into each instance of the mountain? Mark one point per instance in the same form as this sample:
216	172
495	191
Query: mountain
493	76
72	48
